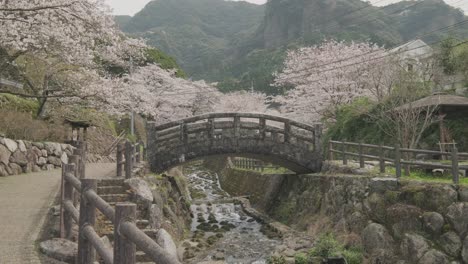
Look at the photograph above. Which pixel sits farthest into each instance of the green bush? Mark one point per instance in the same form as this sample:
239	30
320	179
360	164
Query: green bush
326	246
301	258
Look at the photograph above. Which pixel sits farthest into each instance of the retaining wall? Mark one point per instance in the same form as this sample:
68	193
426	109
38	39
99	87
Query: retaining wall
18	156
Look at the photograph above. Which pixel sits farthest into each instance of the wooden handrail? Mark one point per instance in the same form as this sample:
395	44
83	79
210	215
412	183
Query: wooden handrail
124	248
397	160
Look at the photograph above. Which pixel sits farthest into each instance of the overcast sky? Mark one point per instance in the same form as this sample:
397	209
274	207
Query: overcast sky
130	7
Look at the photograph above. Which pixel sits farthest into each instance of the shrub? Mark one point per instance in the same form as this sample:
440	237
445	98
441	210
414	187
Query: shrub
326	246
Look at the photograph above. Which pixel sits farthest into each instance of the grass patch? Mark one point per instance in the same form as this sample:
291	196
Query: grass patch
327	246
419	175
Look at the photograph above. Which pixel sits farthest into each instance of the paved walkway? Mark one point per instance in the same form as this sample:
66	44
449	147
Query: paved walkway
24	203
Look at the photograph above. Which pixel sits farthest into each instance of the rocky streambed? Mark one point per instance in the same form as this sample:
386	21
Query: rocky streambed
220	229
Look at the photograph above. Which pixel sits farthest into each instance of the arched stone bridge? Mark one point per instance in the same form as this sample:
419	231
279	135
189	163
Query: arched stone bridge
279	140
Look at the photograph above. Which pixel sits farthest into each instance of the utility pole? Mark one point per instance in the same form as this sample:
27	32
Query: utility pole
132	113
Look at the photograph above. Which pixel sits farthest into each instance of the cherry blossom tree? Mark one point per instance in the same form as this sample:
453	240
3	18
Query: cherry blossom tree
332	74
75	31
153	92
242	101
51	42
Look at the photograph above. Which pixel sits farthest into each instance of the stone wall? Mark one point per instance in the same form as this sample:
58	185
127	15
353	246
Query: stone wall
393	223
18	156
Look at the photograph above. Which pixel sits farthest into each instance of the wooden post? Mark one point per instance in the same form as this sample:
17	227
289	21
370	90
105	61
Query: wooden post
381	159
128	160
318	138
62	199
237	127
397	161
120	156
75	159
134	154
68	195
345	158
361	156
287	132
86	253
455	168
262	128
330	152
84	149
124	249
210	129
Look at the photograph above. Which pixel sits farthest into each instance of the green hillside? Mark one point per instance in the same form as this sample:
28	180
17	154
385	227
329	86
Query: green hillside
239	44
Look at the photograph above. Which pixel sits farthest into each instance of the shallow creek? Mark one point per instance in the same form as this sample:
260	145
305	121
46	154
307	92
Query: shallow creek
220	229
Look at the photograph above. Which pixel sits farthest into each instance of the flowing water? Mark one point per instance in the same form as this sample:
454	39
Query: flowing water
220	228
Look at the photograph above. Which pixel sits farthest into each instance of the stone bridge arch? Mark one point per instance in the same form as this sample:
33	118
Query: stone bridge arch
275	139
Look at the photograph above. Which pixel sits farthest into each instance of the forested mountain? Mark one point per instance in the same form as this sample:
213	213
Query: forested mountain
240	44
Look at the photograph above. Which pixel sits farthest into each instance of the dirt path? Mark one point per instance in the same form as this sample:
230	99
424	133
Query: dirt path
24	203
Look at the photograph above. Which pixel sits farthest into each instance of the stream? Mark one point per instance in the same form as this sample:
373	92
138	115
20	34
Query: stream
220	229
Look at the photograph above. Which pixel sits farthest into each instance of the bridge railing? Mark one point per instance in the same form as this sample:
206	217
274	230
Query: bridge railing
127	236
242	125
396	156
128	155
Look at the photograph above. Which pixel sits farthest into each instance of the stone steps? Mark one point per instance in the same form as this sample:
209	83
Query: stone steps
111	190
114	198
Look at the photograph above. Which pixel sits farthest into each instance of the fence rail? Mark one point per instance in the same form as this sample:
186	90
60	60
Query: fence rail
399	157
127	236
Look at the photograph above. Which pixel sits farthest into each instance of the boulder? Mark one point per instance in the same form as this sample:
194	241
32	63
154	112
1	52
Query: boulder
156	216
413	247
19	158
463	193
64	158
44	153
60	249
41	161
37	151
381	185
38	145
36	168
10	144
140	189
375	237
31	156
404	219
54	161
433	222
457	215
3	171
4	154
15	169
434	257
451	243
164	239
53	148
464	252
21	146
48	167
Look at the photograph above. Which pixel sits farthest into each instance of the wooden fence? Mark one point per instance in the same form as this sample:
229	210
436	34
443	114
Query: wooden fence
127	236
396	156
252	164
127	155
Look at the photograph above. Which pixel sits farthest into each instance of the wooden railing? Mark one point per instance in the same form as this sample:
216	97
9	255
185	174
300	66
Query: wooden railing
243	125
127	155
398	157
127	236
